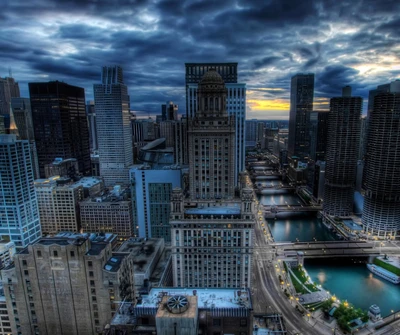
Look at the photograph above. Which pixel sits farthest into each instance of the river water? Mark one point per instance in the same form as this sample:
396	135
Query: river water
348	279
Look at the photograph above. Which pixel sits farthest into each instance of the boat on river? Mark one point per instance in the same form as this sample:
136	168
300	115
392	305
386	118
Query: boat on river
383	273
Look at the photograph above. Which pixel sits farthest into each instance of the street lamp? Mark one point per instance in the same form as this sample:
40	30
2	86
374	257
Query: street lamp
394	314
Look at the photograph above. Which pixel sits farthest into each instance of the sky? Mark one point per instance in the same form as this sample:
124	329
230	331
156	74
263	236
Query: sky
354	42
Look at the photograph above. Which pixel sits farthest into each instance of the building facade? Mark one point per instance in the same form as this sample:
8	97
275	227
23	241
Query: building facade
381	212
211	229
9	89
235	102
68	284
60	125
341	155
301	105
112	105
19	216
91	118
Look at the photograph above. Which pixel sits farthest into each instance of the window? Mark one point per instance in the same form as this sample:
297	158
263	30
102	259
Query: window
24	263
216	322
243	322
26	273
91	274
39	253
90	263
72	253
55	253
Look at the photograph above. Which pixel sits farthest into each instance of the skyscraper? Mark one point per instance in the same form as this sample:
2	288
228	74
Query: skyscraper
381	212
60	125
91	117
8	89
235	102
341	155
211	230
301	105
169	111
113	126
19	216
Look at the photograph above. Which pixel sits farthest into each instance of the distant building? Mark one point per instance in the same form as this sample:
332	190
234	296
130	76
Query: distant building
60	125
341	155
114	134
319	135
91	118
301	105
58	201
62	167
7	252
19	217
169	112
189	311
151	199
109	213
73	283
381	211
8	89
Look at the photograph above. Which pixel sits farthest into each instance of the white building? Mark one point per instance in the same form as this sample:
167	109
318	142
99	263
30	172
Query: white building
113	126
19	215
235	105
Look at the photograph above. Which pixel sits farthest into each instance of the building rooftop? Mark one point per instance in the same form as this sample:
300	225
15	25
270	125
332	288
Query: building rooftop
58	181
114	263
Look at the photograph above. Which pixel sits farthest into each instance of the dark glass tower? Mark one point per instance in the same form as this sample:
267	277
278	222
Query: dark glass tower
381	212
301	105
60	124
341	155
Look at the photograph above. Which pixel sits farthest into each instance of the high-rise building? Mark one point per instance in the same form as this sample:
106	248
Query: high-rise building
19	216
114	132
211	230
169	112
8	89
91	118
251	132
60	125
235	102
109	213
151	199
21	108
301	105
67	284
341	155
319	135
381	211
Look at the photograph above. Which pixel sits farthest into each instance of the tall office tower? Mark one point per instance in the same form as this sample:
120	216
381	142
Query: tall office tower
341	155
381	212
211	231
91	118
167	131
19	216
151	199
363	138
60	125
251	132
21	108
113	126
169	112
180	146
67	284
235	102
301	105
319	135
8	89
109	213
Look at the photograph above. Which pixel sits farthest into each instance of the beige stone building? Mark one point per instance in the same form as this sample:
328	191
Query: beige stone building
67	284
212	227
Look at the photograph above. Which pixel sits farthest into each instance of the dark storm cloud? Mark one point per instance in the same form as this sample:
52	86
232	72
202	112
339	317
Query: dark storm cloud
342	42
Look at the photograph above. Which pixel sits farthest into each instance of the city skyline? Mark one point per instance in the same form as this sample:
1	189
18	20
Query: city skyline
343	44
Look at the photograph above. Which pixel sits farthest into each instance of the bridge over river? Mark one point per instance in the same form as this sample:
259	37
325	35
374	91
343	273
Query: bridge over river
289	208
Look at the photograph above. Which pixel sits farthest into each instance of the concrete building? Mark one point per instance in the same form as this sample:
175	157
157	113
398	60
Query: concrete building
381	212
114	131
67	284
212	229
301	105
19	215
60	125
109	213
151	199
235	102
190	312
58	201
5	323
7	252
9	89
341	155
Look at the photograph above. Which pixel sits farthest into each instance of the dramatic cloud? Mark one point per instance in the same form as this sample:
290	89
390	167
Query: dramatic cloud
354	42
